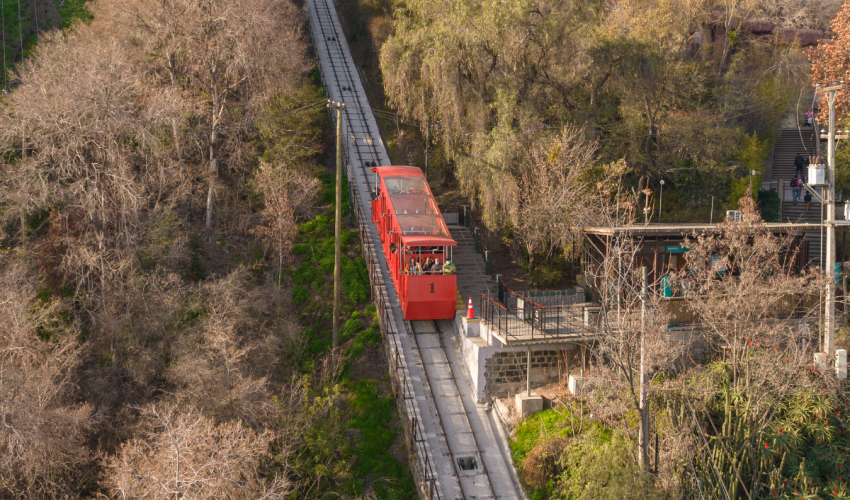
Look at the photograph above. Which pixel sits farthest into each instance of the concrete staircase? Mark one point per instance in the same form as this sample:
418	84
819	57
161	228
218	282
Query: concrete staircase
790	143
471	280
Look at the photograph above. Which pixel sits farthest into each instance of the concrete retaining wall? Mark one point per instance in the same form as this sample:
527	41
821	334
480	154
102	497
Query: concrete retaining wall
501	371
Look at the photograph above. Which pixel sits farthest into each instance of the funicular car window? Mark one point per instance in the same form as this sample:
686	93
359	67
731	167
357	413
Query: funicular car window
422	225
403	184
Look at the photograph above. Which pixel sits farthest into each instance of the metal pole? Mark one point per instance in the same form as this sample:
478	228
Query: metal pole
660	200
829	313
340	107
528	374
643	432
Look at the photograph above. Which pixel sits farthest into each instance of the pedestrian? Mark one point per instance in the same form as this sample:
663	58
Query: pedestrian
808	199
437	268
449	268
796	182
799	163
427	266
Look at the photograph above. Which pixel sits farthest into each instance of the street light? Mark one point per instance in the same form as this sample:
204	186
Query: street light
752	173
660	200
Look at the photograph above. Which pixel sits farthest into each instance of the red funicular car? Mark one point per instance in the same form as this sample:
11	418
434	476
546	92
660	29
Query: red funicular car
413	234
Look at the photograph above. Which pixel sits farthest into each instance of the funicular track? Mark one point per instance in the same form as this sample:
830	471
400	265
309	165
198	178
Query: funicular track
446	459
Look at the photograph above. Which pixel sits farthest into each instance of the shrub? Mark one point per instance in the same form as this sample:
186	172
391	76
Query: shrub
600	464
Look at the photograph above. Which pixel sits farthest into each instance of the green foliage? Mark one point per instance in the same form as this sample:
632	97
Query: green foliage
600	464
322	461
355	279
546	275
802	449
300	294
371	418
541	426
39	219
70	11
196	271
769	204
842	166
753	154
368	337
287	137
329	192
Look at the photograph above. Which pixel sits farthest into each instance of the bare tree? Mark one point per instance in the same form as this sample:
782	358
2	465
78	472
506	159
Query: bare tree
43	430
186	455
553	200
632	339
232	57
286	192
80	108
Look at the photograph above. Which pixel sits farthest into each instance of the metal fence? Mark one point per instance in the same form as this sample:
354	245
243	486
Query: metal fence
455	215
422	463
545	298
534	322
401	383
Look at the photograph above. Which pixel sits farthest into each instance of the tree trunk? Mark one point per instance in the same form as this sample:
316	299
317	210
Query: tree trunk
650	119
172	71
213	159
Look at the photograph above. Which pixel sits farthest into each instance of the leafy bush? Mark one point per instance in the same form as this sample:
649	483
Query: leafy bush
541	426
600	464
545	275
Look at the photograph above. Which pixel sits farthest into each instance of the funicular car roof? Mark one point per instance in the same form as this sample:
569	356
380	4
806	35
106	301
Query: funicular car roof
419	240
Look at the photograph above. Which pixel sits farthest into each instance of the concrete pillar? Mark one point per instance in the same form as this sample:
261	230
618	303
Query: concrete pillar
820	361
841	363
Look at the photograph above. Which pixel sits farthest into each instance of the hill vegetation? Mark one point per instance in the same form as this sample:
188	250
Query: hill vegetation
165	236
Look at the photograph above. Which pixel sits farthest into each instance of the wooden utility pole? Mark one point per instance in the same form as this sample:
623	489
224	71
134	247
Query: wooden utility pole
340	107
643	432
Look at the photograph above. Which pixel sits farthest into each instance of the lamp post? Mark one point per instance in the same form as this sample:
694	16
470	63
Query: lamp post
660	200
752	173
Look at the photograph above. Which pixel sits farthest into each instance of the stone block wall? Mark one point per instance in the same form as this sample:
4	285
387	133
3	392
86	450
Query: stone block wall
505	372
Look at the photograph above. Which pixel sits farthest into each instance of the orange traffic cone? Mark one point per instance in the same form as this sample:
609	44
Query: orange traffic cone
469	313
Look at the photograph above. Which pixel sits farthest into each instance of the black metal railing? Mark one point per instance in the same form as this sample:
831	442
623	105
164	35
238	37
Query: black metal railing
402	385
456	215
533	321
401	382
545	298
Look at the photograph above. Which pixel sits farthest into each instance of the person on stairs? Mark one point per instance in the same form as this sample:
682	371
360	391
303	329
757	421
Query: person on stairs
808	199
799	163
796	182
